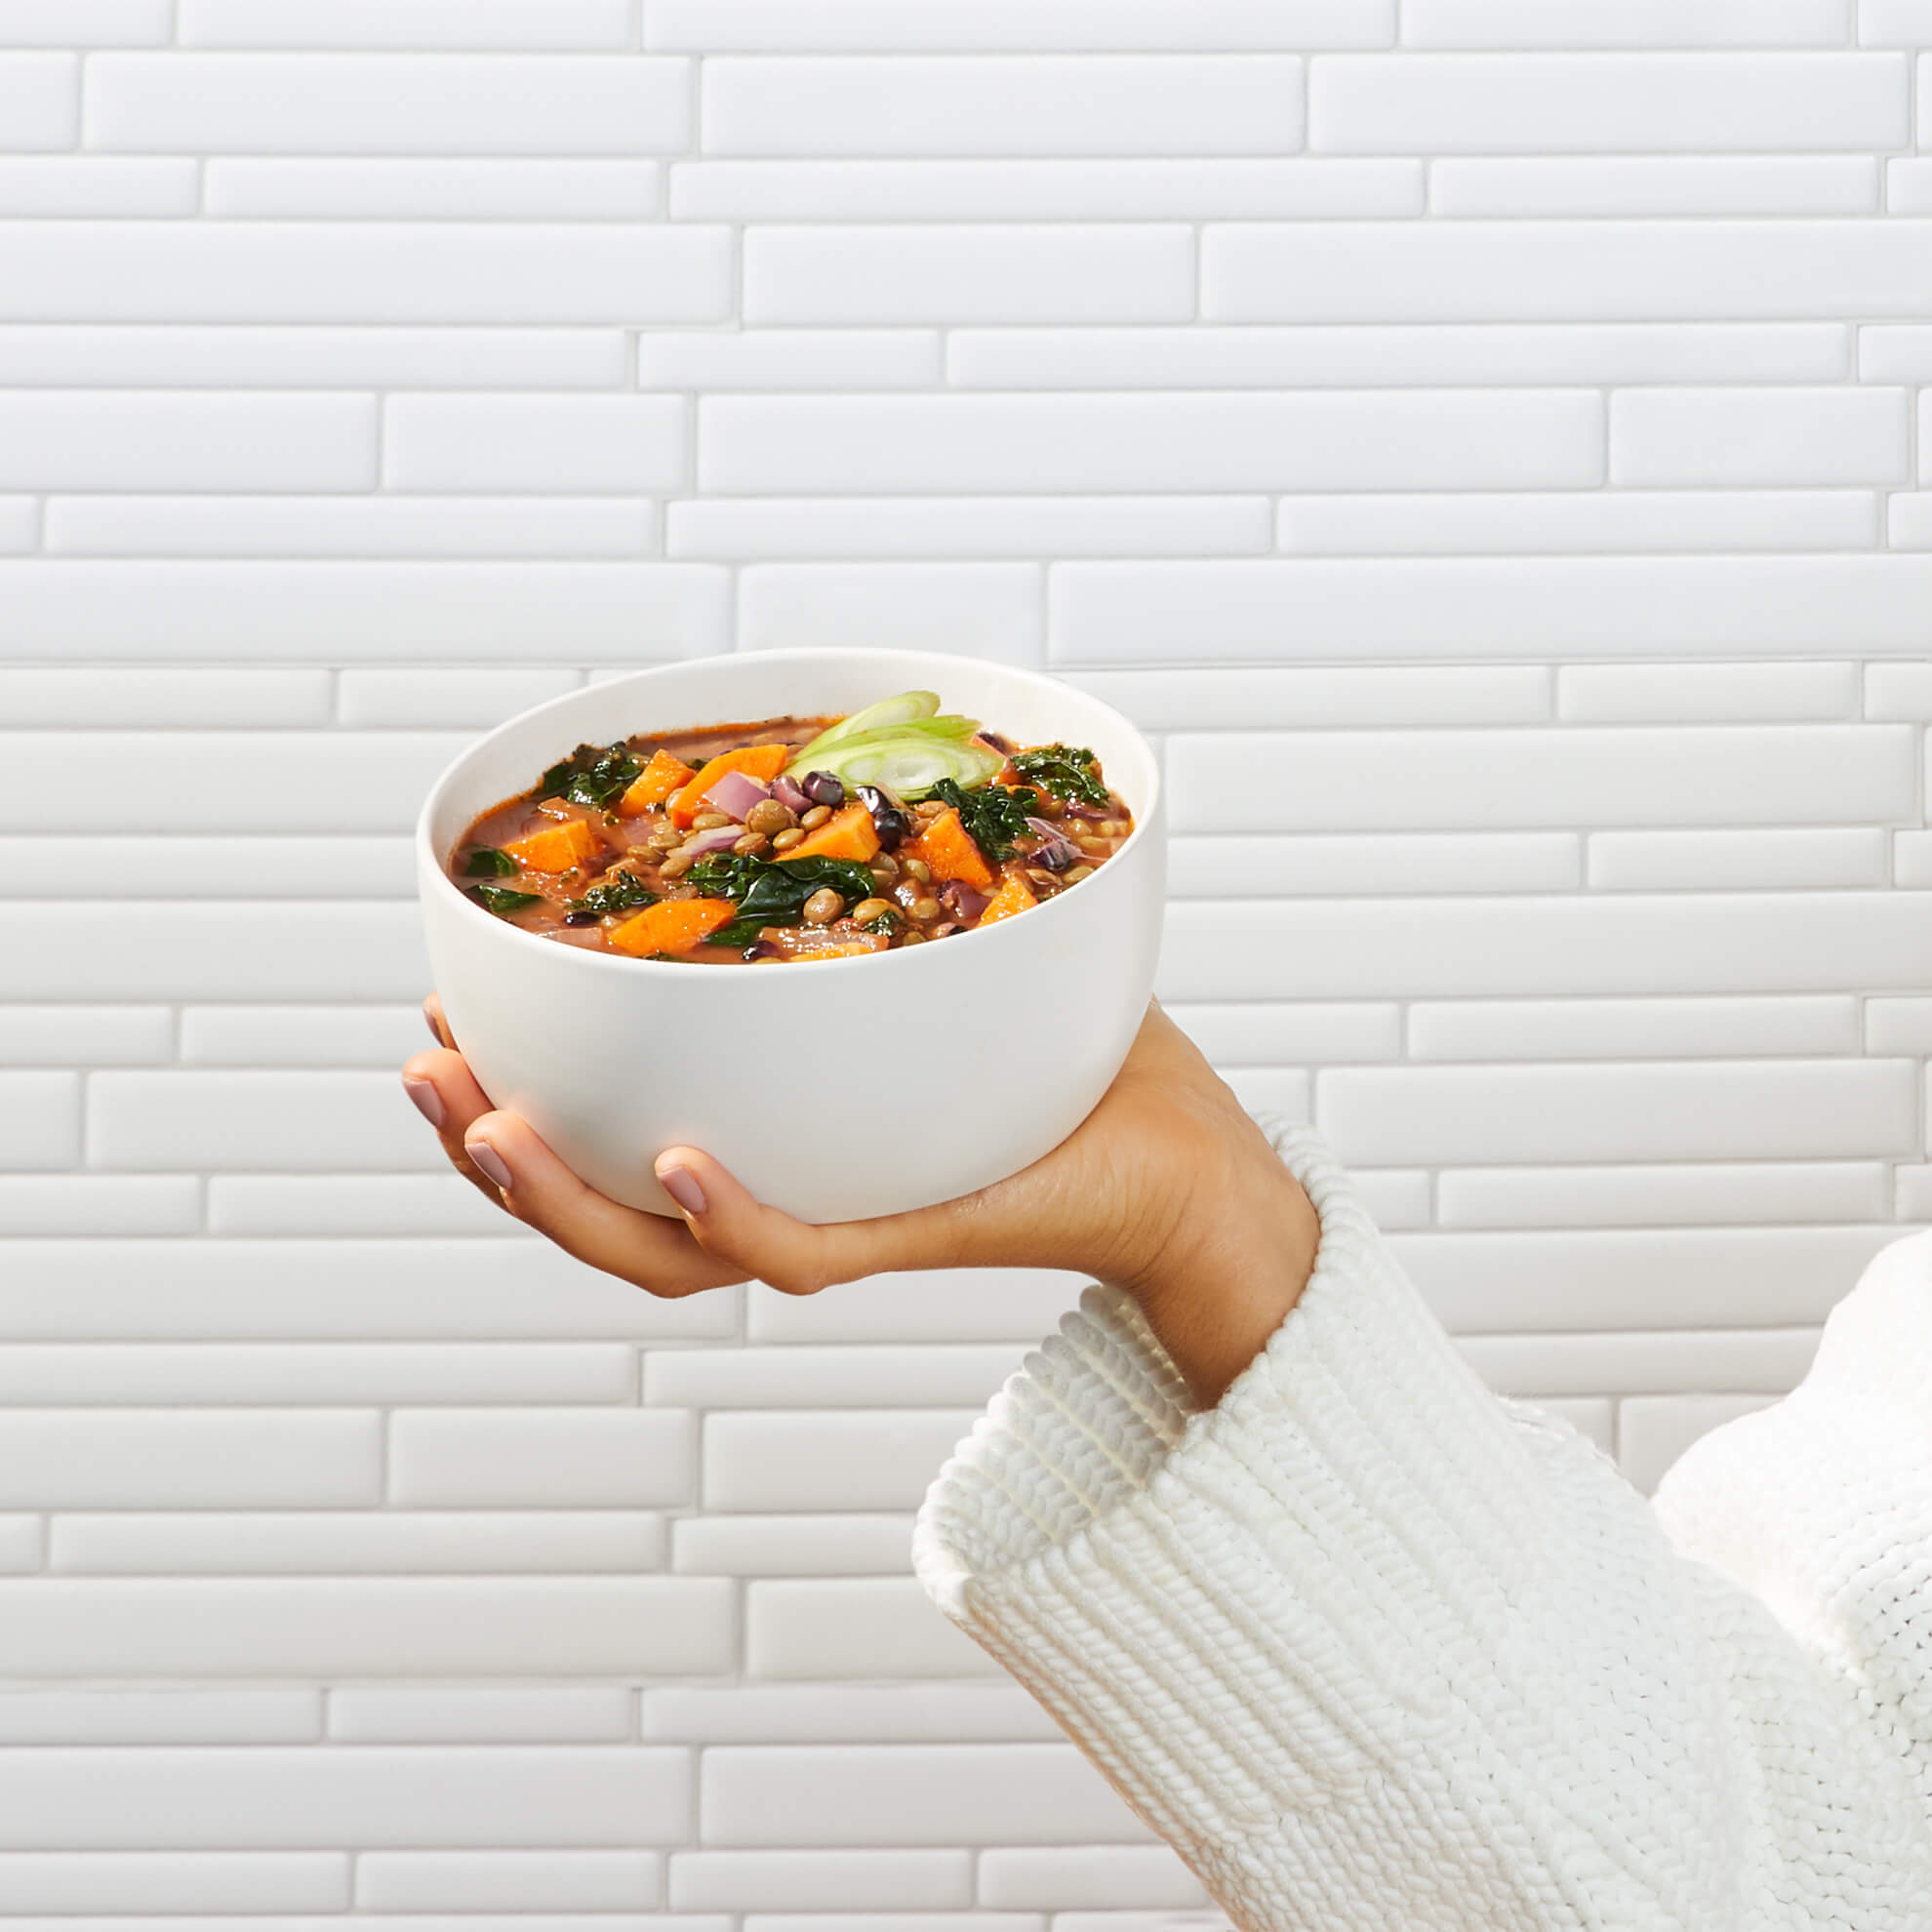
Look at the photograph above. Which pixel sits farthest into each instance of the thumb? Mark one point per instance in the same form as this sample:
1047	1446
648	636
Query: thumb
793	1255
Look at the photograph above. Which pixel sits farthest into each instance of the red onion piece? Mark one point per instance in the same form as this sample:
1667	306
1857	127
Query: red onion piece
736	792
789	793
1055	852
964	902
720	838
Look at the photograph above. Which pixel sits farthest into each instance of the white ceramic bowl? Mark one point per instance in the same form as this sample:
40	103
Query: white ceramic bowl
835	1089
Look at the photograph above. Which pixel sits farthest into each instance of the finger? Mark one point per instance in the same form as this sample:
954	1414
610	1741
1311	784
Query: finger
445	1092
651	1250
793	1255
439	1026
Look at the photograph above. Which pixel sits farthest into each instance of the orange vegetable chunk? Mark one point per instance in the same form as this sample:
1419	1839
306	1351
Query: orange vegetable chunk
557	848
656	783
673	925
847	835
763	763
1013	895
948	847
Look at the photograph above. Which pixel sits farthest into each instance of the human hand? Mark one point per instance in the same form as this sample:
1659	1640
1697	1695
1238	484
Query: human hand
1167	1190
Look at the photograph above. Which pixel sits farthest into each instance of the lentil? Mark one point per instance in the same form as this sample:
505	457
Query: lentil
918	869
770	817
786	841
754	843
869	910
824	907
706	821
815	818
677	865
924	910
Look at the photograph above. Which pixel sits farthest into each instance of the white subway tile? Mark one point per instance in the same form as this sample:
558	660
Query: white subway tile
752	529
40	100
909	1795
489	1881
347	527
414	1714
412	24
148	1121
356	1543
84	23
40	1120
881	1459
1665	1278
1241	608
19	525
345	1626
534	443
161	1459
1526	523
475	696
1244	104
1913	1200
1898	1026
1909	520
1439	356
1178	699
1655	185
364	612
1626	1364
100	185
904	1921
1565	271
21	1545
85	440
986	610
538	1459
160	1717
1672	861
1257	1034
319	102
1654	1029
1594	1418
377	1795
1893	22
1705	694
854	1626
1625	23
1894	353
1654	1431
1239	866
936	1304
1705	1195
1734	1110
319	273
790	359
1898	691
792	1545
819	1880
859	1712
1067	191
1757	438
1057	1879
363	1035
74	356
1363	440
1274	1095
806	1378
434	190
1908	188
1912	859
139	1884
53	867
899	275
348	1289
85	1035
100	1204
879	25
293	1204
110	1374
1577	776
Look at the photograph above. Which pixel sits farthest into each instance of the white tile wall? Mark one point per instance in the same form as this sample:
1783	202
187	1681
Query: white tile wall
1487	443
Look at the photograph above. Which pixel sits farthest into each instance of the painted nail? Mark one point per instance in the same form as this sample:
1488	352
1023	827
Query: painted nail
681	1184
489	1163
429	1102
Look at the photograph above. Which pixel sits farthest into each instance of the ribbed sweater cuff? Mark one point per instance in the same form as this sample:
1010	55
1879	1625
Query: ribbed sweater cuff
1345	1527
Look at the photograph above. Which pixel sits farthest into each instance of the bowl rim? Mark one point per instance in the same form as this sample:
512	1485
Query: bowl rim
431	863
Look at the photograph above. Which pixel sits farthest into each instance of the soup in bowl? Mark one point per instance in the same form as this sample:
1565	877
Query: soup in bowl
905	1037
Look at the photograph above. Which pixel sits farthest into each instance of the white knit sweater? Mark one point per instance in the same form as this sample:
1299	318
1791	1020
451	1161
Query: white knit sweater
1378	1652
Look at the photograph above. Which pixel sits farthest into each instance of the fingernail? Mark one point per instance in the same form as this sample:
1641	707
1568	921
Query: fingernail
430	1021
429	1102
681	1184
489	1163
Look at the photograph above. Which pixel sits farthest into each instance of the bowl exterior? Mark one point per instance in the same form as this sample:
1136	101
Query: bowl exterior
834	1090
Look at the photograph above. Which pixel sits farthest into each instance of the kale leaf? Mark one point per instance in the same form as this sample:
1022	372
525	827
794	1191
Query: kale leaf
621	892
494	899
1067	771
592	775
995	815
772	891
485	861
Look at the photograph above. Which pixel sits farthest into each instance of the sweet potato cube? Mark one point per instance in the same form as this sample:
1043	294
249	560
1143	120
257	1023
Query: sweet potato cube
763	763
948	847
1013	895
557	848
848	833
656	783
673	925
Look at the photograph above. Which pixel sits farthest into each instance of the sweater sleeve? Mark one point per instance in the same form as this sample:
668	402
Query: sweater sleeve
1368	1646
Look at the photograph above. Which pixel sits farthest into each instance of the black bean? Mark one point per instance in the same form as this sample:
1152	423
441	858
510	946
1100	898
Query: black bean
890	823
823	788
580	918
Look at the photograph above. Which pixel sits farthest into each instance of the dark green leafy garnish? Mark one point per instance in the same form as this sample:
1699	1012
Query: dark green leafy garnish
1064	770
485	861
592	775
494	899
886	923
995	815
622	892
772	891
